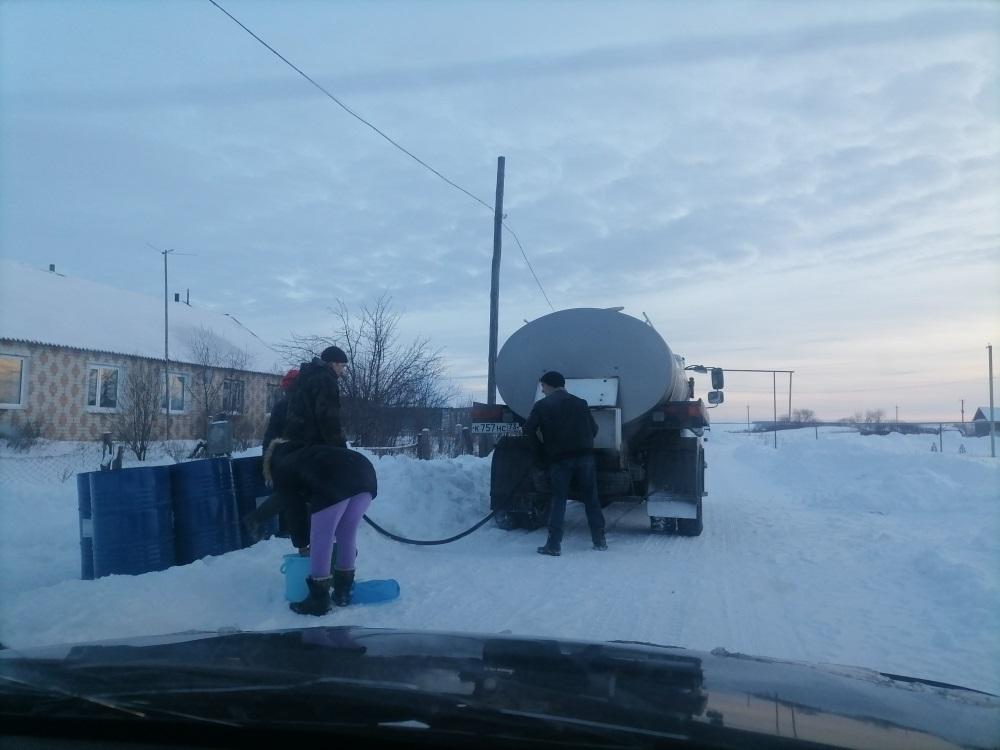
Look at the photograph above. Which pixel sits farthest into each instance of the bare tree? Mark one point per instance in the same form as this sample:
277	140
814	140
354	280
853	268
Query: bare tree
139	405
874	416
389	385
805	416
216	360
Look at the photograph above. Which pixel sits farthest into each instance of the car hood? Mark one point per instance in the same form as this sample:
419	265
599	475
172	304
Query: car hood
419	681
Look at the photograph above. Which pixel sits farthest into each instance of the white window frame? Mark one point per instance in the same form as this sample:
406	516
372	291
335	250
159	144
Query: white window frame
271	397
98	409
243	396
186	391
23	393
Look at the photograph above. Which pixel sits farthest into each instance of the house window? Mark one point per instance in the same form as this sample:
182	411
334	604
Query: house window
180	390
102	387
232	396
12	381
273	391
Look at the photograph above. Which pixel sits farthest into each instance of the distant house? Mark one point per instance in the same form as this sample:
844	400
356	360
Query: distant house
982	418
69	345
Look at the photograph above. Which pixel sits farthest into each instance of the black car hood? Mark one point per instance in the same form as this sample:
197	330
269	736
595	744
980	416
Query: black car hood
520	688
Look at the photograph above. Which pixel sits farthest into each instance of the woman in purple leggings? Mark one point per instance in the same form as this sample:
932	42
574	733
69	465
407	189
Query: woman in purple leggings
337	485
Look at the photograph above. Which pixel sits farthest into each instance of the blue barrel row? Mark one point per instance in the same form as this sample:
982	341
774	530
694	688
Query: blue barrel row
145	519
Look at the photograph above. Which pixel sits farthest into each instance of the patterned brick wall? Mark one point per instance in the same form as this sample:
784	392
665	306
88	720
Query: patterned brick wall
55	397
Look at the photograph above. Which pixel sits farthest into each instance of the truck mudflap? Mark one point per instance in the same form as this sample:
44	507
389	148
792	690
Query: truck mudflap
676	484
666	505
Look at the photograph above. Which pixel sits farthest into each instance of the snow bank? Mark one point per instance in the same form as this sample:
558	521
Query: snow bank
868	551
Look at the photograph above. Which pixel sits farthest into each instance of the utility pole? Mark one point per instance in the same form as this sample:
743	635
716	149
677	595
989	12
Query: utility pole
166	347
993	427
897	415
491	378
748	417
774	382
790	395
963	411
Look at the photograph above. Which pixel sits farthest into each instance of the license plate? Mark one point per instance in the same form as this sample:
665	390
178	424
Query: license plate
496	428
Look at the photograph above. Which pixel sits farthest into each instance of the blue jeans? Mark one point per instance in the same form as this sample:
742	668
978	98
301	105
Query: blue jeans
561	473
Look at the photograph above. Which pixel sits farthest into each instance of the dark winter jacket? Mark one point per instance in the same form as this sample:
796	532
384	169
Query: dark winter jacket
276	423
566	425
321	474
313	414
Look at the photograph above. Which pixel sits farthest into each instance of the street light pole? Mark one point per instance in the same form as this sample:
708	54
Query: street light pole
774	383
993	428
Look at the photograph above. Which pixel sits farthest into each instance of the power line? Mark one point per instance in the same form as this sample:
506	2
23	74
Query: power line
528	262
347	109
361	119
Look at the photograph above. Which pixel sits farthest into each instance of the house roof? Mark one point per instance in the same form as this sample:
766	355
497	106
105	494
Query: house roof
44	307
983	412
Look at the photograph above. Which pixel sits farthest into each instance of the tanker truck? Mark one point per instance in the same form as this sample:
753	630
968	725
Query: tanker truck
649	444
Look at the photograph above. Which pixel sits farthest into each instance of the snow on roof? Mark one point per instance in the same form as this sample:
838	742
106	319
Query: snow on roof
44	307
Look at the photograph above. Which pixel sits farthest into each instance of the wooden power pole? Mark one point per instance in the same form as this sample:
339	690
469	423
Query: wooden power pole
491	378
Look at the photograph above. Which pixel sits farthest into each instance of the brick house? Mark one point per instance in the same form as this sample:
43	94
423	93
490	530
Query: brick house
68	346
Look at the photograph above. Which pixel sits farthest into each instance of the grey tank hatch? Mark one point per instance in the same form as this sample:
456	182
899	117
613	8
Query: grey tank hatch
588	342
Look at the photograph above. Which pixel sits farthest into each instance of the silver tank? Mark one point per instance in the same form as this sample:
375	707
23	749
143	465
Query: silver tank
589	342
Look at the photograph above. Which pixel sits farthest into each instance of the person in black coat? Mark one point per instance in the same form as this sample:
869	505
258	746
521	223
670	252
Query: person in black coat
313	416
567	430
337	484
298	523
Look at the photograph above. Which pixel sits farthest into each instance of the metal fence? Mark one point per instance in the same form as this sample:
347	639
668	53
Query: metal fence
959	437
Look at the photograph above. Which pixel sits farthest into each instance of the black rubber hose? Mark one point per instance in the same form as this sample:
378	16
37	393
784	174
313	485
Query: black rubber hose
426	542
449	540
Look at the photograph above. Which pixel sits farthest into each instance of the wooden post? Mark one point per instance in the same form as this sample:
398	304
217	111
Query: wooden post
166	350
491	377
467	441
486	441
424	444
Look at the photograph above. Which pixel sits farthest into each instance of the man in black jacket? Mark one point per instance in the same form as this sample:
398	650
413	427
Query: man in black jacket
567	438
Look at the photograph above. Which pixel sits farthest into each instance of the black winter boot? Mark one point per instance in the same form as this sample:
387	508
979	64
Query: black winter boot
551	547
318	601
343	582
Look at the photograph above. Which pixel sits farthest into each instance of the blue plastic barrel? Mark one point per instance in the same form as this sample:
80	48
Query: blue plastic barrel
251	491
132	520
206	520
86	526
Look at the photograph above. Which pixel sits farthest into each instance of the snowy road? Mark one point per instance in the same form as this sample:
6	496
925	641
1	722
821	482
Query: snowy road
863	551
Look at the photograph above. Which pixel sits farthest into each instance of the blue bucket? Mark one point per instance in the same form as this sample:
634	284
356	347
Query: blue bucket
133	526
296	570
206	519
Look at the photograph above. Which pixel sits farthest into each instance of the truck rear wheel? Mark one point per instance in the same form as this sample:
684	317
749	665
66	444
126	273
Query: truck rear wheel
538	515
505	519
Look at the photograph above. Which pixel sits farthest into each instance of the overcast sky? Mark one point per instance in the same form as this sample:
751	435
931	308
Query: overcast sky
811	186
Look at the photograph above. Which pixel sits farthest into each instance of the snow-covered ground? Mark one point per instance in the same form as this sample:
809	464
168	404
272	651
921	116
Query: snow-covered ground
869	551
